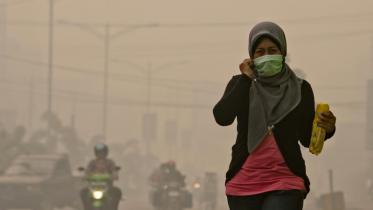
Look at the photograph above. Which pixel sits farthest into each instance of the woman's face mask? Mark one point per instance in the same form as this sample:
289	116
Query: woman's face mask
268	65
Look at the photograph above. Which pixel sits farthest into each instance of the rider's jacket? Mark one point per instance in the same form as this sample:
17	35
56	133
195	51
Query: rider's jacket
101	166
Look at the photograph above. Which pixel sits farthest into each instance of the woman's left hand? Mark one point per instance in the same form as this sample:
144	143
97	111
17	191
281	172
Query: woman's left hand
327	121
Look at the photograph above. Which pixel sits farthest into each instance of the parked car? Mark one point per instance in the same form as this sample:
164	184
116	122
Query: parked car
39	182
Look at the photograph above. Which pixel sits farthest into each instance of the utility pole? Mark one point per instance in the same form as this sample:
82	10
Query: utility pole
31	102
50	66
73	111
369	105
331	187
3	35
149	81
106	82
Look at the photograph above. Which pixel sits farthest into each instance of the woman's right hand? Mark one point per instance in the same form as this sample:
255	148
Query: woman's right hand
246	69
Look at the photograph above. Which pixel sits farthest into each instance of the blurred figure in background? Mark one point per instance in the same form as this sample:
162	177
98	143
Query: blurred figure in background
168	188
197	191
11	144
134	167
166	173
210	191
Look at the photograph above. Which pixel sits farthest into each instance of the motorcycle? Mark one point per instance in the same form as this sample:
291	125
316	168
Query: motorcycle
197	192
99	191
172	196
204	198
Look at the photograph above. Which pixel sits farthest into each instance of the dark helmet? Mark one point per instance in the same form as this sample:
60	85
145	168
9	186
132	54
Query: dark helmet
101	149
171	165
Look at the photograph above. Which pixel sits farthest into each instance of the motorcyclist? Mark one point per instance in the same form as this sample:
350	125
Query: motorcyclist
102	164
166	174
162	177
197	187
210	188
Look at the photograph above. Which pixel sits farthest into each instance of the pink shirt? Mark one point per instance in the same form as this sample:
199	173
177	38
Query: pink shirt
263	171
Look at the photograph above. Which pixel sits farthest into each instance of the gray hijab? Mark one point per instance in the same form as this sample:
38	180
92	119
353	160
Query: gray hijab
270	98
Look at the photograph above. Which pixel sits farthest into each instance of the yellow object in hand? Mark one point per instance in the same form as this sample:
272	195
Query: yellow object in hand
318	134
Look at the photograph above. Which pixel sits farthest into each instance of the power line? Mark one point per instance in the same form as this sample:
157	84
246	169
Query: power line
92	99
115	76
61	67
173	84
304	38
325	19
13	3
178	81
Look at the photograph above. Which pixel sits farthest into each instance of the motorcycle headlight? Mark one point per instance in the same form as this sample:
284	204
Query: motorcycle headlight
197	185
97	194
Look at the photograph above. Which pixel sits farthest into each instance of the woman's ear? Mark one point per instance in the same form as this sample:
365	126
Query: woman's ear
252	66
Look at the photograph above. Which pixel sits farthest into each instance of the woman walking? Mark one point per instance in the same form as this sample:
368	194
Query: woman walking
274	110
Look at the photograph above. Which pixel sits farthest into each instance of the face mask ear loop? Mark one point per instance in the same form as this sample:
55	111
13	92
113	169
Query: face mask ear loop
252	66
283	62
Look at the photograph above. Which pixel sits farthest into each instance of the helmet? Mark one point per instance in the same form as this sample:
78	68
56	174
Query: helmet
101	149
171	164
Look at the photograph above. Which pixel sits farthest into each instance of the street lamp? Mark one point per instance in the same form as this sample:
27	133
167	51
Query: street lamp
50	65
107	37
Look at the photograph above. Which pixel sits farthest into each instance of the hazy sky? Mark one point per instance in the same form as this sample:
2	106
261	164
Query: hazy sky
196	54
322	38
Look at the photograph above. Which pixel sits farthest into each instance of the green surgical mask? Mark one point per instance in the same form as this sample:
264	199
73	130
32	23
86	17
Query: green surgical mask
268	65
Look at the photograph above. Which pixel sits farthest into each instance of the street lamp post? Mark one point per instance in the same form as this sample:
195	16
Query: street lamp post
50	66
149	81
107	37
106	78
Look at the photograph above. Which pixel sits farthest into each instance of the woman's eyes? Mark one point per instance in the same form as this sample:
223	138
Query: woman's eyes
269	51
259	52
273	50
